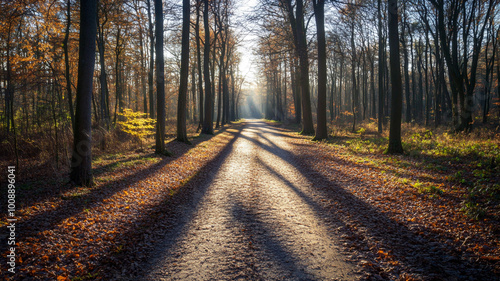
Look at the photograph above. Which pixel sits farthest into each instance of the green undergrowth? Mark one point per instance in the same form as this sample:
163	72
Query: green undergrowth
468	162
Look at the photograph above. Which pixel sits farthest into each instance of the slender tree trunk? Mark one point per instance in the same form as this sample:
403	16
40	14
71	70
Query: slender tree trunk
341	79
152	110
407	77
221	74
381	66
490	69
307	124
426	69
373	111
183	87
233	96
416	105
355	94
81	160
143	69
395	145
420	81
207	122
319	13
298	28
193	93
332	96
160	79
66	63
225	98
365	85
295	77
119	89
198	64
212	70
104	103
285	105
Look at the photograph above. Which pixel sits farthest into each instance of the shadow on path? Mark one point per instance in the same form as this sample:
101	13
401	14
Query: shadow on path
159	229
417	250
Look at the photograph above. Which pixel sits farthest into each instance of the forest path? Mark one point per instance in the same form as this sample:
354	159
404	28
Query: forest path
256	218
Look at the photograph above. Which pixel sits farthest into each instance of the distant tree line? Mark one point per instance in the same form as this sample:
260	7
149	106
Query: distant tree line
448	60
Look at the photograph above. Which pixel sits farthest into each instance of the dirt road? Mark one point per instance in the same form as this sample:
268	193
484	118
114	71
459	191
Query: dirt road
255	218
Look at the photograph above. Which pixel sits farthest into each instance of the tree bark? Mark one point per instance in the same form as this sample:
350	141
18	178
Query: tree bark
319	13
66	64
103	78
183	87
355	94
381	66
81	160
207	122
198	64
395	145
298	28
160	79
152	111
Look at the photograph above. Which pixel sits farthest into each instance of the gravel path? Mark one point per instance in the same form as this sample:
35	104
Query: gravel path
256	218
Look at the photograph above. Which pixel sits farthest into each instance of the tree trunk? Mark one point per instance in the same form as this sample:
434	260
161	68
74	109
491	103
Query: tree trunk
407	77
355	94
233	96
295	77
221	74
198	64
307	124
395	145
152	111
183	87
104	102
119	89
81	160
160	79
193	93
66	64
420	97
381	66
143	69
225	99
319	13
298	28
207	122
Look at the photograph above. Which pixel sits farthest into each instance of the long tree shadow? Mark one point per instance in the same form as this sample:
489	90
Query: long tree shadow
417	249
275	131
172	212
265	244
393	170
395	237
73	206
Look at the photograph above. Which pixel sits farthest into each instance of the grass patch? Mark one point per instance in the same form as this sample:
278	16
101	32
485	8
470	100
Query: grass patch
470	163
76	194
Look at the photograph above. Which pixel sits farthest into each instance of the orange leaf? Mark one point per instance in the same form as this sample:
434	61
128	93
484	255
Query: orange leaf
491	258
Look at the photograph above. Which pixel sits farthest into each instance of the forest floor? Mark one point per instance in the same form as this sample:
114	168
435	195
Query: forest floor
258	201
